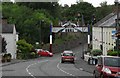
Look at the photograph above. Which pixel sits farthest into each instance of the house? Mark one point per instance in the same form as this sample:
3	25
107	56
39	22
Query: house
103	33
10	35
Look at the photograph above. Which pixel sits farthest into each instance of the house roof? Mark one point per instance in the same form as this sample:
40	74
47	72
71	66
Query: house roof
7	28
109	20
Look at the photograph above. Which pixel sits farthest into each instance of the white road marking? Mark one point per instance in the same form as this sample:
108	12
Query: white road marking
63	70
32	65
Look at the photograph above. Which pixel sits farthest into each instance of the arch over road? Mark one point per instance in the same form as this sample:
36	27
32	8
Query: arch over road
69	26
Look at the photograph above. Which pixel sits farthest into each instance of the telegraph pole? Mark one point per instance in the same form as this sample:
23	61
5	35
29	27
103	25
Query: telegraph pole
117	25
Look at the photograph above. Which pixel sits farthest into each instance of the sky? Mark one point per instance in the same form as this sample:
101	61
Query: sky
95	3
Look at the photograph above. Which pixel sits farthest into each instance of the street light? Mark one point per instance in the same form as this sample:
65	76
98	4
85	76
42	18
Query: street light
117	23
41	41
82	36
78	16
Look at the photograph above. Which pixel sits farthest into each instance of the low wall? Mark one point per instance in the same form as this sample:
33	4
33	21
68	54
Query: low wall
86	57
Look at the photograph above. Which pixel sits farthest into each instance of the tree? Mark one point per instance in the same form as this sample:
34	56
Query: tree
103	3
28	21
103	11
51	7
84	8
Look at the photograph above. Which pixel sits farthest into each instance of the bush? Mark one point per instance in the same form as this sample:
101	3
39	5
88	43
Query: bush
113	53
6	57
3	59
24	48
32	54
96	52
9	57
110	50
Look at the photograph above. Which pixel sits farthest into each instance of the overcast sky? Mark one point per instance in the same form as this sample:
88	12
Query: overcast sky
95	3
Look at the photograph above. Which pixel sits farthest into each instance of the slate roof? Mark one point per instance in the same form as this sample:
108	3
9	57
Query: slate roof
109	20
7	28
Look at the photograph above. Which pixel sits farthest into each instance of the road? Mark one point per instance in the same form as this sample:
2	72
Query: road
45	67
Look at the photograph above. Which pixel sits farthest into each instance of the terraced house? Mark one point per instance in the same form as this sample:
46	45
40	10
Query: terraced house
103	33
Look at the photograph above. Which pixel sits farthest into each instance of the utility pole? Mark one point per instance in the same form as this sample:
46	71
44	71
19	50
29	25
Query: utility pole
117	24
83	37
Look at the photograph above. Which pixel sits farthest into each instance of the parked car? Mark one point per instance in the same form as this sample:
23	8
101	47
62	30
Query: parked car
45	53
107	67
38	50
67	56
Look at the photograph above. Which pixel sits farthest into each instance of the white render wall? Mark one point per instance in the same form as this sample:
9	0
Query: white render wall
11	44
11	39
108	42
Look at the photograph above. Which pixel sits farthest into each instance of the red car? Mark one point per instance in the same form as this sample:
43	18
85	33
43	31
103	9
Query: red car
67	56
45	53
107	67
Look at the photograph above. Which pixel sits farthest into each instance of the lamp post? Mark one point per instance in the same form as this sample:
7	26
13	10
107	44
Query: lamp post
42	21
78	23
83	37
117	23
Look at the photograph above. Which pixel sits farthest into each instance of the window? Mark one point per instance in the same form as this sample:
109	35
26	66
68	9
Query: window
114	62
68	54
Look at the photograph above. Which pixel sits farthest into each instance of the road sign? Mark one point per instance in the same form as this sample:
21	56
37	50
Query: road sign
114	34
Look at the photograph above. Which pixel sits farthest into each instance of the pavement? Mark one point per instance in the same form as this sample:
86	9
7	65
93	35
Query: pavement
13	61
84	66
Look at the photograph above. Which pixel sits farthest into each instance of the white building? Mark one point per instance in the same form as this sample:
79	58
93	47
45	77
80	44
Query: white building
11	36
102	33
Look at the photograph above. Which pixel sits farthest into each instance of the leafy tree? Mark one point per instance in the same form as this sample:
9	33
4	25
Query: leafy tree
103	3
83	8
104	10
50	7
28	22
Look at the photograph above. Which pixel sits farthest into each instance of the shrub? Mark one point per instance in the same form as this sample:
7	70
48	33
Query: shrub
110	50
96	52
32	54
9	57
3	59
113	53
24	48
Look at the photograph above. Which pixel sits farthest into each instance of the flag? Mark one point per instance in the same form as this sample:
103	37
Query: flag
51	29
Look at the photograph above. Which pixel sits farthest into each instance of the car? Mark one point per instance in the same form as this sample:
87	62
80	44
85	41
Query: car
38	50
45	53
107	67
67	56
